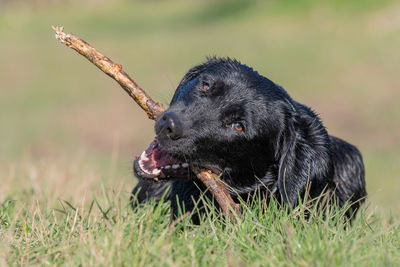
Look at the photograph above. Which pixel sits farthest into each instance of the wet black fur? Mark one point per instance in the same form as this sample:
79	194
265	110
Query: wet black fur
283	147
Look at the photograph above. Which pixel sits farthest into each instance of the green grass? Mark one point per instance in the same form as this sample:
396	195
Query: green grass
109	233
68	132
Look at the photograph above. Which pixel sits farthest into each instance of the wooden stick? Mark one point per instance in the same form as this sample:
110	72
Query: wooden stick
152	108
213	182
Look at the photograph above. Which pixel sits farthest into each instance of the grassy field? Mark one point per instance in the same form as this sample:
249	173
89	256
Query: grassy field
69	133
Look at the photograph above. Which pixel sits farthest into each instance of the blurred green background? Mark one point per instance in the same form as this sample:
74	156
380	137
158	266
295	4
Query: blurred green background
65	126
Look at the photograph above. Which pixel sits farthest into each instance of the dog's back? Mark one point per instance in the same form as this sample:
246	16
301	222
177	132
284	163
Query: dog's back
349	175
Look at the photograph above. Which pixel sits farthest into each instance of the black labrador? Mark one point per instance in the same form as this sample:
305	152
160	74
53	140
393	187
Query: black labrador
227	117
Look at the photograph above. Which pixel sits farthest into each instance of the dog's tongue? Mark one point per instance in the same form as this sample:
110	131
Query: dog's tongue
156	157
153	162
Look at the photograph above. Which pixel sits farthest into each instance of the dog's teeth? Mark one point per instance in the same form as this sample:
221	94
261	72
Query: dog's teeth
143	168
185	165
176	166
143	156
167	167
156	172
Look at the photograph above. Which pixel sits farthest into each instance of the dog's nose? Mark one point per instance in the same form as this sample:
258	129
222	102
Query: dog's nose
169	126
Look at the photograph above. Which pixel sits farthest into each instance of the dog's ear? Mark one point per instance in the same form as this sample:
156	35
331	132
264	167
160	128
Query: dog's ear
303	153
296	158
290	180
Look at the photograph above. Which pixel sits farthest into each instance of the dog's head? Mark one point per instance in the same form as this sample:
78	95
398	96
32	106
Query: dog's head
226	117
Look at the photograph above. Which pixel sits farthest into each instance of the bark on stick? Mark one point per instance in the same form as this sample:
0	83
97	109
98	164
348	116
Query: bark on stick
152	108
213	182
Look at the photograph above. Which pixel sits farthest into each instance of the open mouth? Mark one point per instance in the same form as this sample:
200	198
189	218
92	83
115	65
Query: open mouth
154	163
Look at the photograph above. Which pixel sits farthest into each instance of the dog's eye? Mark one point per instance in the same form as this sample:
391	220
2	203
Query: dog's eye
205	87
237	126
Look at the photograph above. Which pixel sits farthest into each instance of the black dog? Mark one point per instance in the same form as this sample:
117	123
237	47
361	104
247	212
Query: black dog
227	117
